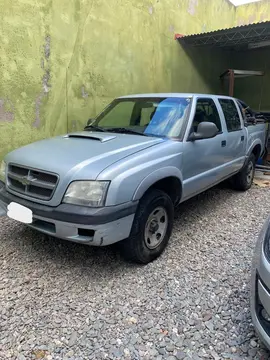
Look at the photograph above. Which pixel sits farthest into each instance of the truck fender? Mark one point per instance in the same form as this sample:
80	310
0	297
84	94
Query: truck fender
155	176
252	146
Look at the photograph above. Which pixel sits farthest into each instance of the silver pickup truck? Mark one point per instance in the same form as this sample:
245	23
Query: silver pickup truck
120	178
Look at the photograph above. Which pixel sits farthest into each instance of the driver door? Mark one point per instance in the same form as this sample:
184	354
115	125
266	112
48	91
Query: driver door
204	161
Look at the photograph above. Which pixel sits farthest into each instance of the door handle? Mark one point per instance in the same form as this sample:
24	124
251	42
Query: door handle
223	143
242	138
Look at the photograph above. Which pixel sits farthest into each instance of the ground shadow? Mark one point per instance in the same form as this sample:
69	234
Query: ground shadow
35	245
209	64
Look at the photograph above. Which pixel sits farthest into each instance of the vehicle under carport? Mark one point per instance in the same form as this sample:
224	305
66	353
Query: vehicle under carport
247	76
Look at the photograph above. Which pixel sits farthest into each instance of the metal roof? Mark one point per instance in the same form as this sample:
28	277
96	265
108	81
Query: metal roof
241	73
169	95
239	37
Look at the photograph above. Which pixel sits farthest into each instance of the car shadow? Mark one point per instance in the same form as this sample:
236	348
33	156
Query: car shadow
199	203
34	246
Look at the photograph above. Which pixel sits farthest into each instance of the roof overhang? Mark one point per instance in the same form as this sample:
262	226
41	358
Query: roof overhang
241	73
233	74
241	37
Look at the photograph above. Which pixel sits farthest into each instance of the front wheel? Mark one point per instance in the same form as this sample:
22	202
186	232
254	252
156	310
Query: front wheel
152	228
243	180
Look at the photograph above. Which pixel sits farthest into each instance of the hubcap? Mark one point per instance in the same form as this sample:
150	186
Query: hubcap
155	228
250	169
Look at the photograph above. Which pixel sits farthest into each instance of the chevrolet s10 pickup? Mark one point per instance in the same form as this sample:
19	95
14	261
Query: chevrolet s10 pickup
120	178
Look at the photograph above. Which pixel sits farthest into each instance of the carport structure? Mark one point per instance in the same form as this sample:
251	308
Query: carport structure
247	48
238	38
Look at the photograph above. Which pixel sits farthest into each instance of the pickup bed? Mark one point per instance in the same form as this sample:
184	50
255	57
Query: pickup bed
121	177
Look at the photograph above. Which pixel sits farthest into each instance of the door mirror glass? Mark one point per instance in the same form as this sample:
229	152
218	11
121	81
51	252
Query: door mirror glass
205	130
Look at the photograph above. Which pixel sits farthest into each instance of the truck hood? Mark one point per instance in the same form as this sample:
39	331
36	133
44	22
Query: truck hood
80	155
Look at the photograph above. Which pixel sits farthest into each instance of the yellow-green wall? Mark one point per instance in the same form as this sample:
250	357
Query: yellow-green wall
62	61
252	13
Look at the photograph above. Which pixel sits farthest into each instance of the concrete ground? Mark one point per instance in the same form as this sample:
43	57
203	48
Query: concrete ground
60	300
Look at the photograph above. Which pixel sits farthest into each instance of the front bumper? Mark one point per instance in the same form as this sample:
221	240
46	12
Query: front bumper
260	291
92	226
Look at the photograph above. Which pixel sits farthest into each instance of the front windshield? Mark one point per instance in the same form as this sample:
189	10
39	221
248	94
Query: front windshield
148	116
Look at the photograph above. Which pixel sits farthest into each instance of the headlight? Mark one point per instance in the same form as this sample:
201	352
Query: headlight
87	193
3	171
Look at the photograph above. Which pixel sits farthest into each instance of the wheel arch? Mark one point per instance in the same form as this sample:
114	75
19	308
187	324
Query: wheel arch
167	179
255	148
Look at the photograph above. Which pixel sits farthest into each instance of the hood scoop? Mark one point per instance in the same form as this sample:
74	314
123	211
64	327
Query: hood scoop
91	135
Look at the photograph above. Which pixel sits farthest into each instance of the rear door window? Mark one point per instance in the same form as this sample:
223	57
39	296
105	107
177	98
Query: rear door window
206	110
231	114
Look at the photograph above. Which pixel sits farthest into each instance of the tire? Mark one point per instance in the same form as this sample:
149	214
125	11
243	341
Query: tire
151	229
243	180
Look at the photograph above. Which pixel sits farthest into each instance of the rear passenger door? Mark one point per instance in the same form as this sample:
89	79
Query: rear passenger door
204	162
236	139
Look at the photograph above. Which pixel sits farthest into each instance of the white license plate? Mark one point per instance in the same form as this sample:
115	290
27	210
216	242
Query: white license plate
20	213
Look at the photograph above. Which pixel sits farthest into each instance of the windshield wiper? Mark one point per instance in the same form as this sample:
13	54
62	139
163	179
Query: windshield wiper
94	127
125	131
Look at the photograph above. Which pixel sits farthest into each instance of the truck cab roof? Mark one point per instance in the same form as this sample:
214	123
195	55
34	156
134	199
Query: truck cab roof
172	95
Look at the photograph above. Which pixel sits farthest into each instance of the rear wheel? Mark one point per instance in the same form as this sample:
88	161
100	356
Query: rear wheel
152	228
243	180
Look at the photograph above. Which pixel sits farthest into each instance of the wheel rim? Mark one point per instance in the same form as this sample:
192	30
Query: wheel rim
250	169
155	228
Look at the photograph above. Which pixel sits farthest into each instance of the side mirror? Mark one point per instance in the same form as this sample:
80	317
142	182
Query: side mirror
205	130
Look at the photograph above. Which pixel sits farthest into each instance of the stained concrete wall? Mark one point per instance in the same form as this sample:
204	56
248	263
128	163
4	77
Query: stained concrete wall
62	61
252	13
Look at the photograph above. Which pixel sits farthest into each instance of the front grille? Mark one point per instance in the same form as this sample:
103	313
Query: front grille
31	182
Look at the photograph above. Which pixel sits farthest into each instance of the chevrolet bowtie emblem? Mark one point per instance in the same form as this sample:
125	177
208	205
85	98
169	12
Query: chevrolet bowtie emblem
27	180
